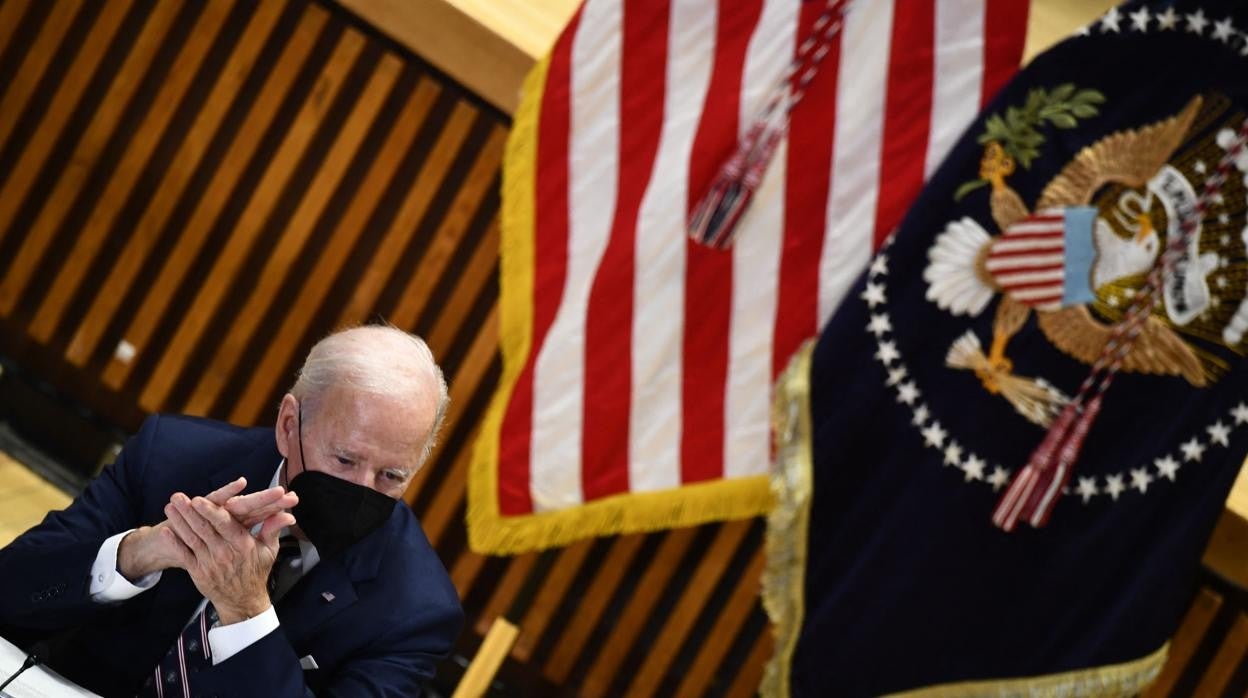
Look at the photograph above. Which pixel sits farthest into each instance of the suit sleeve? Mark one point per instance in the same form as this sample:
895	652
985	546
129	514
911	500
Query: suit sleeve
393	666
45	574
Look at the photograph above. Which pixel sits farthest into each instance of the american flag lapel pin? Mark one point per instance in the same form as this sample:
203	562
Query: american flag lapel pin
329	597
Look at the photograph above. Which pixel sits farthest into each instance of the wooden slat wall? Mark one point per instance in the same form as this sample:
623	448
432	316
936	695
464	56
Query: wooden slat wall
192	192
1209	653
213	186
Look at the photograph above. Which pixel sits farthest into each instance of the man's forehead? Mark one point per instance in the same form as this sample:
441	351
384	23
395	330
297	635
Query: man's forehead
355	405
345	394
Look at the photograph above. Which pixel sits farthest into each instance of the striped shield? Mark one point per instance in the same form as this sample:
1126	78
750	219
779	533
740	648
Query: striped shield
1044	260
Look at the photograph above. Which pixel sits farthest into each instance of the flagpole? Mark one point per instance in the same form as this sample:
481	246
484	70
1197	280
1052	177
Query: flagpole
494	649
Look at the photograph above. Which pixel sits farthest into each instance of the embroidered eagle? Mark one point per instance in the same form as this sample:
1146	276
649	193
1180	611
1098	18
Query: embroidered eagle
1073	252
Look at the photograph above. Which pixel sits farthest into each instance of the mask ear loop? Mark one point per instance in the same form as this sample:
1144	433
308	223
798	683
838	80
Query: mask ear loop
303	461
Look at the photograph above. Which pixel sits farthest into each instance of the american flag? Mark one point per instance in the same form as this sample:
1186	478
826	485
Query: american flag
638	365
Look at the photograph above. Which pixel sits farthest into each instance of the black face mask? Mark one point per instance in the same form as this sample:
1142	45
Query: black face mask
334	513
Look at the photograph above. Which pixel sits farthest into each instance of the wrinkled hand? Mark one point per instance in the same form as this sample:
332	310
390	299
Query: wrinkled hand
251	509
154	548
228	565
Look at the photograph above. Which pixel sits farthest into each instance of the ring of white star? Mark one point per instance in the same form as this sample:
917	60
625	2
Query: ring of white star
1143	21
975	468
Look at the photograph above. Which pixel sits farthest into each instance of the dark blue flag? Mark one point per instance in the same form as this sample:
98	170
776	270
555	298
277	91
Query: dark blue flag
939	376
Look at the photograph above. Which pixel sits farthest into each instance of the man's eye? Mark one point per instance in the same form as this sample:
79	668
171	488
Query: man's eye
342	460
395	477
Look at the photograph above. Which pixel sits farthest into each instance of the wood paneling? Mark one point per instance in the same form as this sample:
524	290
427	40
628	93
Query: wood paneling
1227	553
1191	631
192	192
125	280
1209	653
639	612
100	217
554	590
488	46
1231	657
591	606
21	79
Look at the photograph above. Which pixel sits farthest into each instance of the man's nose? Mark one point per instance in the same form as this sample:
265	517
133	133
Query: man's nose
363	476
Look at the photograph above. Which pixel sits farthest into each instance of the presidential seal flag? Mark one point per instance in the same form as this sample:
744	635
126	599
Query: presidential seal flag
1077	266
638	363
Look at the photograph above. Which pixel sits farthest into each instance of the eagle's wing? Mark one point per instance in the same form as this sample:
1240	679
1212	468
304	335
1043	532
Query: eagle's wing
1129	157
1157	350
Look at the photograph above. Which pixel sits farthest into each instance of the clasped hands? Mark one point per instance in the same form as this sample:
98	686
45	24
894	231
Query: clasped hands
210	537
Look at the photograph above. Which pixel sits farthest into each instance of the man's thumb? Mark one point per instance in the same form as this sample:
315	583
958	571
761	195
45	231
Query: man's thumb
272	527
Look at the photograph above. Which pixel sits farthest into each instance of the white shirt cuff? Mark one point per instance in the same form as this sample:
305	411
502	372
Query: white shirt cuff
107	584
228	640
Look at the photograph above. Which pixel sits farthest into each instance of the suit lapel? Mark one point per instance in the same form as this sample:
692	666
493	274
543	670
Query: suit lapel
331	587
322	594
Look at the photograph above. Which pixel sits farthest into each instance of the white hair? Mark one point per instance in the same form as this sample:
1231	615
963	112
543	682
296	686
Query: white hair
375	359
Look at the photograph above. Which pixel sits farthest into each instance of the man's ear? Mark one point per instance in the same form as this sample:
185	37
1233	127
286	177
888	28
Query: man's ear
287	427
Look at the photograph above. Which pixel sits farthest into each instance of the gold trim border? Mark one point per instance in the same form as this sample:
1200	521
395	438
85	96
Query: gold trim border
789	520
1111	681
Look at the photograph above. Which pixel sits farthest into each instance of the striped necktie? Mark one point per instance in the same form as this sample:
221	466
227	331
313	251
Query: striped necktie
190	654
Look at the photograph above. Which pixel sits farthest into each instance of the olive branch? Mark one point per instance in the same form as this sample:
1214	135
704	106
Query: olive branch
1018	133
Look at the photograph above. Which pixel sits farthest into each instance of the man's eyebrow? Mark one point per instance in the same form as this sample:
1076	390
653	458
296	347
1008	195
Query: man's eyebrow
344	452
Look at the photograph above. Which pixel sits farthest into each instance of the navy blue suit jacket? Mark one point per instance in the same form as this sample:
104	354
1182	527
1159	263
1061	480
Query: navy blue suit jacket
375	619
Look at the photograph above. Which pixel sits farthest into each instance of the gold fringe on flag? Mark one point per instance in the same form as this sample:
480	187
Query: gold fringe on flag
1112	681
789	520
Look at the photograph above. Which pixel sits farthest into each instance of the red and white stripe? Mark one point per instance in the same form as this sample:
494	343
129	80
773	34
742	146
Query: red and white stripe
186	687
652	356
203	635
1028	260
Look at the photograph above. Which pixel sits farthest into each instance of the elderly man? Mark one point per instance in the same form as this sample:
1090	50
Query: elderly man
214	560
